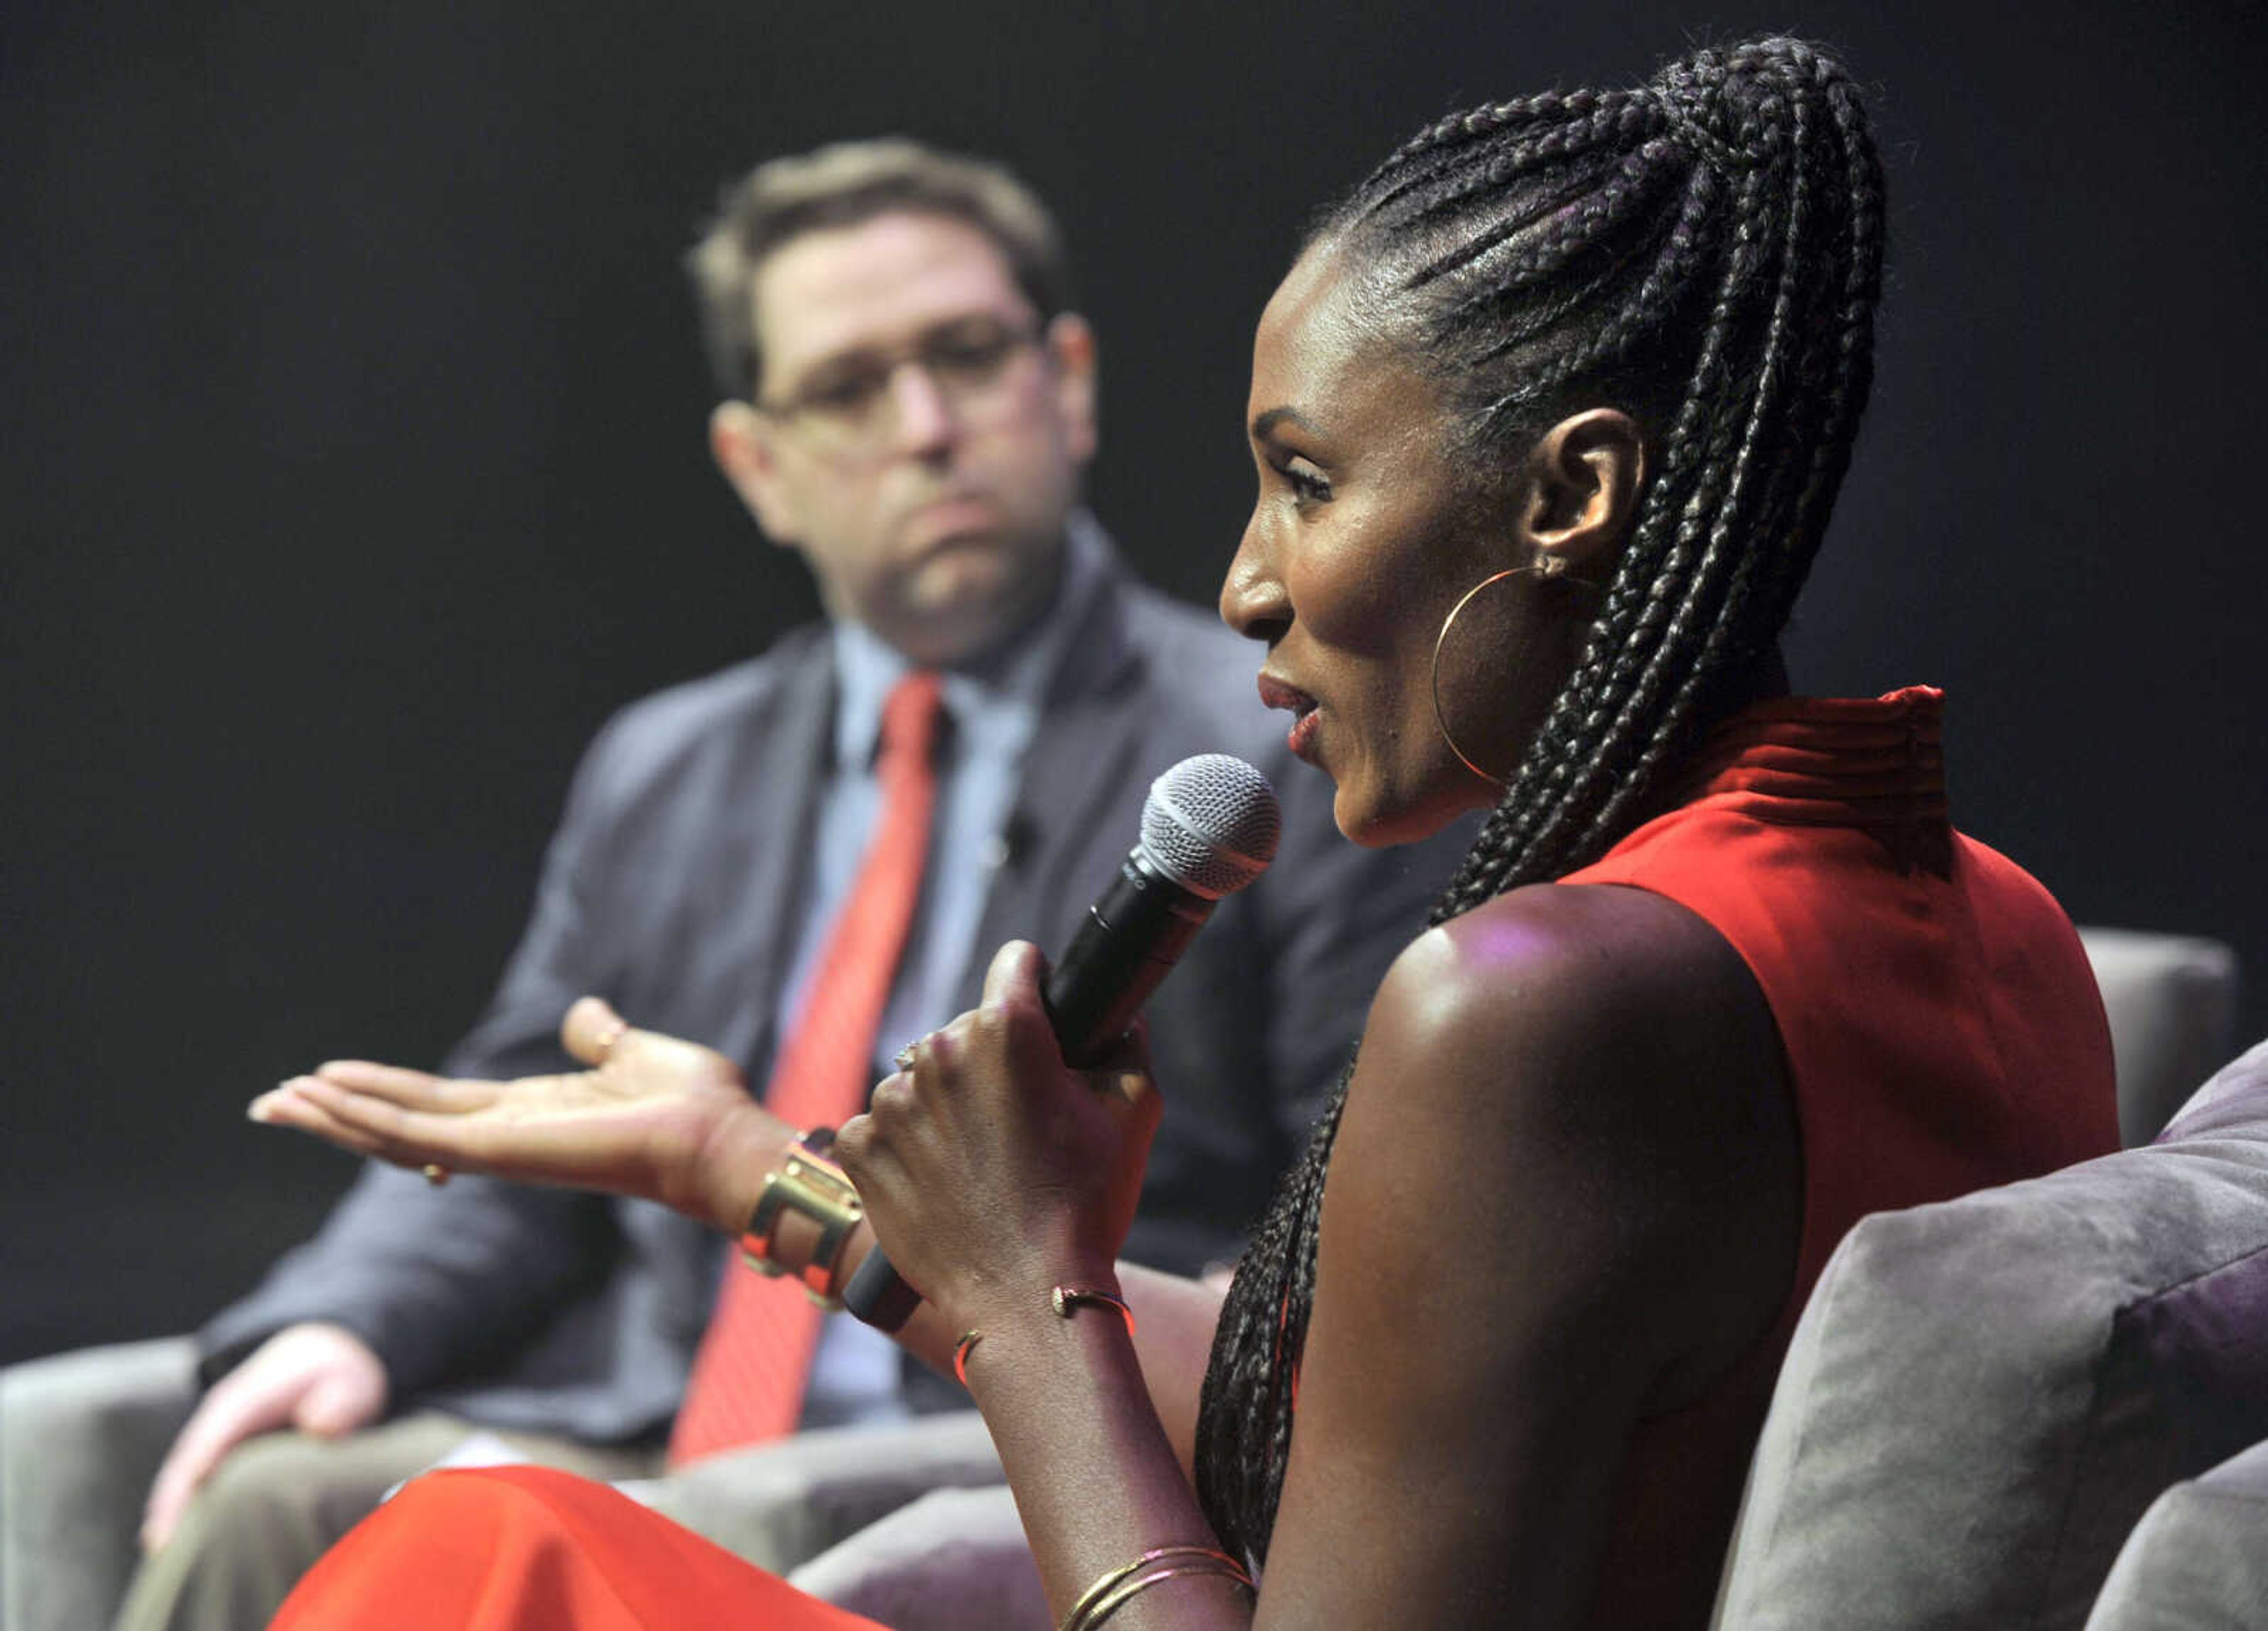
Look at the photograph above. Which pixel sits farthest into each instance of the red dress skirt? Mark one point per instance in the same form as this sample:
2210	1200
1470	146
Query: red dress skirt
529	1548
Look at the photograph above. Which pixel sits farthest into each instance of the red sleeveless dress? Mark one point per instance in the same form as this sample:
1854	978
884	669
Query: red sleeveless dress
1941	1027
1942	1030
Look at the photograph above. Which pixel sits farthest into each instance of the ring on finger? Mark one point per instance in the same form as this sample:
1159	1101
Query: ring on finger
436	1175
903	1059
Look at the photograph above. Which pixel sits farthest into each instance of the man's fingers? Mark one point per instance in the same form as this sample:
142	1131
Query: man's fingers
225	1419
336	1405
320	1378
591	1029
162	1515
176	1481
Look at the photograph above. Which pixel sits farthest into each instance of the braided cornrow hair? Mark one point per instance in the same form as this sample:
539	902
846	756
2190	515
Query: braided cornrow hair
1704	251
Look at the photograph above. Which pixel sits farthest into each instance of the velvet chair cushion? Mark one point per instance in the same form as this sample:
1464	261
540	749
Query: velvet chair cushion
2198	1560
1984	1395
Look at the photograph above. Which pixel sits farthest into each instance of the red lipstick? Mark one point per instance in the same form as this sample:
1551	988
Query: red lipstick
1275	692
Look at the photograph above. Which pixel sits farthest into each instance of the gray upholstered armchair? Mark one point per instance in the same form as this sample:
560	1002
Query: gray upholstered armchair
1984	1396
907	1531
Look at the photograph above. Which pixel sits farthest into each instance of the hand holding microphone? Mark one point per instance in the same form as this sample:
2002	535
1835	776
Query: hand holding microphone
1209	828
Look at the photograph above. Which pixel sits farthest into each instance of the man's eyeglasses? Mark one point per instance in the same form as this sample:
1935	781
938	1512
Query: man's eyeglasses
848	399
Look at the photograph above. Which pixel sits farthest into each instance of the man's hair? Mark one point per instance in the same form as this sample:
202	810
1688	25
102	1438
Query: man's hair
842	185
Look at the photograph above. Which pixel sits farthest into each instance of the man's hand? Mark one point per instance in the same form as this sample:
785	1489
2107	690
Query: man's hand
319	1379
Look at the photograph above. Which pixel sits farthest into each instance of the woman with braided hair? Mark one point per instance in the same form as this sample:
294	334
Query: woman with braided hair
1550	415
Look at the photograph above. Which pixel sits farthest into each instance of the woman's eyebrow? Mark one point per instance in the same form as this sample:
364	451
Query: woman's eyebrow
1263	423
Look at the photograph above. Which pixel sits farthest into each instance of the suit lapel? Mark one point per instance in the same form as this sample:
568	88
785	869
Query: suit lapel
763	906
1069	780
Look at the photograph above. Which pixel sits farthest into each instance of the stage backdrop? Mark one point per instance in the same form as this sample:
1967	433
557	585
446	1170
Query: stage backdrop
352	470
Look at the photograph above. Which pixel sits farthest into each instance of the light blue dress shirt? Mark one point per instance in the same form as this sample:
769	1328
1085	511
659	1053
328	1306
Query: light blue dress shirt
993	708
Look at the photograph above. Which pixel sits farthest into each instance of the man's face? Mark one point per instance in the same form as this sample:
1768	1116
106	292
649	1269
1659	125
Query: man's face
917	436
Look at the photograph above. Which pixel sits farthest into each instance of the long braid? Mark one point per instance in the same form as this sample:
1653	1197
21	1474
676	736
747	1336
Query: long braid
1705	249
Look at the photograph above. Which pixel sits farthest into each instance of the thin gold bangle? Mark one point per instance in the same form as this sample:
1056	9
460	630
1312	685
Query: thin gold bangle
1079	1611
1065	1301
1120	1596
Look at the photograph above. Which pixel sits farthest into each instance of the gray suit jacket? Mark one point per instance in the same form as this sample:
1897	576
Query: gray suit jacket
670	889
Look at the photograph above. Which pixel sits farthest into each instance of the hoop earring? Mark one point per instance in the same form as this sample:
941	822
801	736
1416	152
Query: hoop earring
1547	569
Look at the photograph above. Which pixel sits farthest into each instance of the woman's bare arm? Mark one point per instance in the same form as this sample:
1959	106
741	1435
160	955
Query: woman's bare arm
673	1121
992	1174
1562	1196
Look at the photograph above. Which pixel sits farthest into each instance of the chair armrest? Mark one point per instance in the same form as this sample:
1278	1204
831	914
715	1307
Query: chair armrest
2171	1001
2198	1559
779	1505
954	1559
81	1436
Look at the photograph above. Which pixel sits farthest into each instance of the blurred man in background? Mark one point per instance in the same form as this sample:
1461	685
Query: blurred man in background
909	403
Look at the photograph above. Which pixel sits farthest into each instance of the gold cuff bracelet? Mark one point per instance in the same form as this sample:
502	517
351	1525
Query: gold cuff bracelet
809	1183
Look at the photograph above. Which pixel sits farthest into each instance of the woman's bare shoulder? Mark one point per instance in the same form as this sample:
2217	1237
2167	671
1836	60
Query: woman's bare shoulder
1597	978
1602	1056
1564	1196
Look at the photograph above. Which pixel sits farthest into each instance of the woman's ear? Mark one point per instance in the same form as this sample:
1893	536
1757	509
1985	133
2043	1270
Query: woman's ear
1584	476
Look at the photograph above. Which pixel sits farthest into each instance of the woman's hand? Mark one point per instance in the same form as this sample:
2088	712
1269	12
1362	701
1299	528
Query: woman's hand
992	1171
655	1118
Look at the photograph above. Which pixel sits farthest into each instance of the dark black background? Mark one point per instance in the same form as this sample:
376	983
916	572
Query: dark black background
351	469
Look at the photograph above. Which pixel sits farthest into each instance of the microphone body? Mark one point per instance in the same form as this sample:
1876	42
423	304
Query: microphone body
1133	937
1209	828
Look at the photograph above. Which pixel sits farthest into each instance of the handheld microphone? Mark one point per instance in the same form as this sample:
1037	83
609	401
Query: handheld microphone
1209	828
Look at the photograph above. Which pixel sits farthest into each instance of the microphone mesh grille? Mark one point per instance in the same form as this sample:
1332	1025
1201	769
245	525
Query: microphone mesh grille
1211	823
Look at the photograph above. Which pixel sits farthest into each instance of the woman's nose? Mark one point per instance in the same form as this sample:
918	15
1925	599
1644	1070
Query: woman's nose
1252	598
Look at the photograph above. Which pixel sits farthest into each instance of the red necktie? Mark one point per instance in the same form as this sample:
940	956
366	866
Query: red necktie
748	1378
